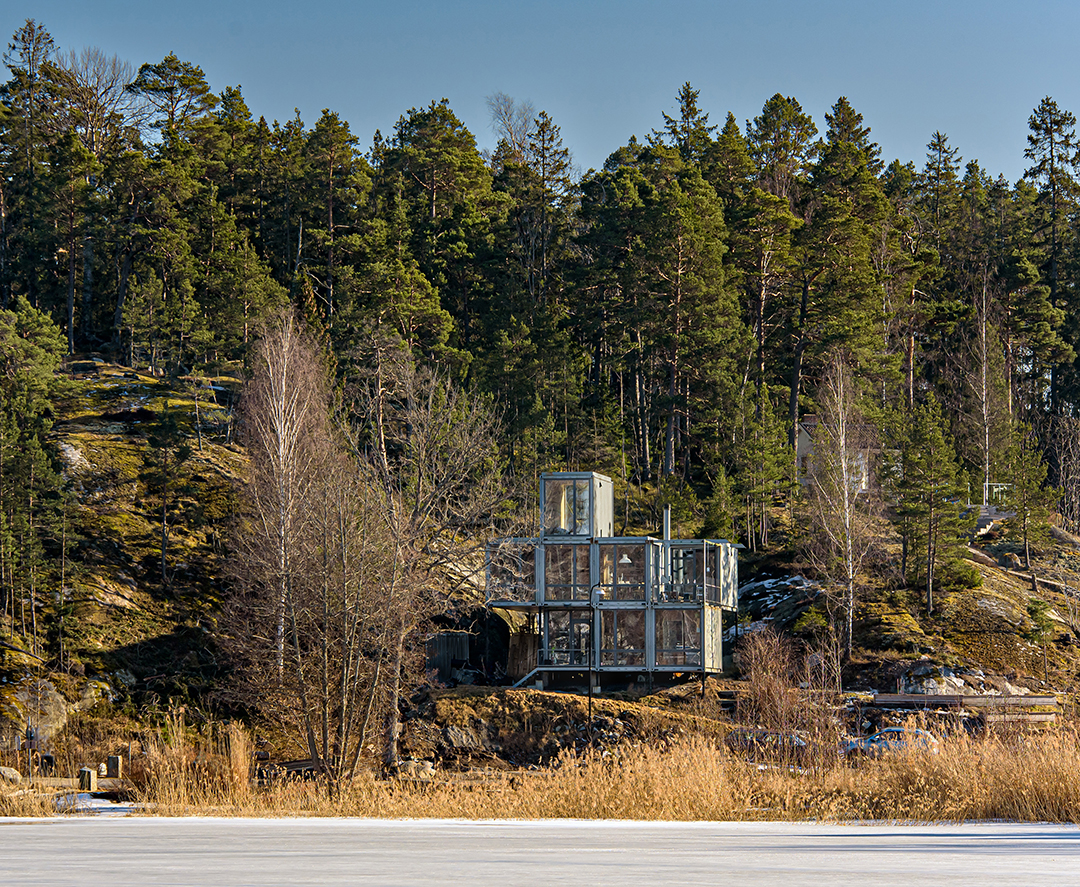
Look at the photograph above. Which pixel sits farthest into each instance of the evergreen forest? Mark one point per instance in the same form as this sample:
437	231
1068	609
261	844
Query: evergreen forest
672	319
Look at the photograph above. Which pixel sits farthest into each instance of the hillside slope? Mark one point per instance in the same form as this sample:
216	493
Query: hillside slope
146	635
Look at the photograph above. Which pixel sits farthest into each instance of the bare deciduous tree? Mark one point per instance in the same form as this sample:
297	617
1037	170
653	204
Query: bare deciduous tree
285	429
316	568
513	121
353	529
96	100
837	478
431	453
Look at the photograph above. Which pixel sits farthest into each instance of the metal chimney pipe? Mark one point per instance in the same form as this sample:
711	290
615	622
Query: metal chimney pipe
667	523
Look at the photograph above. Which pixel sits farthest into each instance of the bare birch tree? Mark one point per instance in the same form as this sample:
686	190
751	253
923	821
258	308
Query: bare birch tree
97	102
356	530
512	121
317	571
837	477
285	429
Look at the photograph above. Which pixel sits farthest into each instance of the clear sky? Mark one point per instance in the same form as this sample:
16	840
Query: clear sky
607	70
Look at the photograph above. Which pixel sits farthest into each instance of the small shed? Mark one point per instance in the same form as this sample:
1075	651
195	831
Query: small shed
446	651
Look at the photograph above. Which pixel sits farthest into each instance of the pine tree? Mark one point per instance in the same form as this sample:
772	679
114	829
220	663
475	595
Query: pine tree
165	458
336	185
838	292
689	132
783	144
927	491
26	230
175	89
446	188
1052	148
1028	495
31	348
728	166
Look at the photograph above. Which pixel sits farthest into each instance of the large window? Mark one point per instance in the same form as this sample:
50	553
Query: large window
622	571
678	637
566	572
622	637
568	637
713	568
566	507
686	573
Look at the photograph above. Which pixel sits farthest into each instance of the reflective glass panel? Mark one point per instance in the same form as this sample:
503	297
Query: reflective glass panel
622	637
568	637
566	572
678	637
622	572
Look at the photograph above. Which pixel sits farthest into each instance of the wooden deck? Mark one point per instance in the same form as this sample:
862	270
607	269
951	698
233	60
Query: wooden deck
992	709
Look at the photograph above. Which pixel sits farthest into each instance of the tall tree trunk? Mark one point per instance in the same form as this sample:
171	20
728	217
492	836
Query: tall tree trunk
87	288
393	721
121	297
796	380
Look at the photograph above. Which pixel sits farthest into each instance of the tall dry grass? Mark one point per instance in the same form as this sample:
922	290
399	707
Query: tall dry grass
1016	778
176	774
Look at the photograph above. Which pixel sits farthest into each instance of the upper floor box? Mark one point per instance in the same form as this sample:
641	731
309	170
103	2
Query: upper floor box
577	503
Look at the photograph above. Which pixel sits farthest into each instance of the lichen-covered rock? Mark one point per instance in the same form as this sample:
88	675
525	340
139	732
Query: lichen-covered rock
461	738
94	692
44	710
10	776
417	769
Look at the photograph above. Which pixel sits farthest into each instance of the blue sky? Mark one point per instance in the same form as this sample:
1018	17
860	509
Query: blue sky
607	70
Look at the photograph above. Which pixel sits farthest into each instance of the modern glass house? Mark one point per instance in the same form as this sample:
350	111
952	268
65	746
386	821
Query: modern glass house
606	605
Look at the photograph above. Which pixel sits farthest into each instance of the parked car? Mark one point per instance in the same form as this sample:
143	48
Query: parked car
889	740
768	746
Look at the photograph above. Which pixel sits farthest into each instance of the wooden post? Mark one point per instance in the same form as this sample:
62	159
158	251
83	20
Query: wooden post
88	779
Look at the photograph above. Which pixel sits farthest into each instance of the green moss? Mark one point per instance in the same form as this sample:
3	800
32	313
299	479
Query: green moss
890	627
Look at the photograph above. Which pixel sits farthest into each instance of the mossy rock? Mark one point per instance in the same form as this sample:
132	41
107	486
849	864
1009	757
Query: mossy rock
890	627
984	625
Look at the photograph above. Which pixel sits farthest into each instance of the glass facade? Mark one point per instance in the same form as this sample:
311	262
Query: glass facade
568	637
566	507
678	637
618	603
622	571
622	637
566	572
686	574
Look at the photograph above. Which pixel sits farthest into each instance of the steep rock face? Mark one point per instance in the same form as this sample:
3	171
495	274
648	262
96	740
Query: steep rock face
116	619
127	612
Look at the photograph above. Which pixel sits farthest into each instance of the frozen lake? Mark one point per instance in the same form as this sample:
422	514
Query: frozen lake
263	852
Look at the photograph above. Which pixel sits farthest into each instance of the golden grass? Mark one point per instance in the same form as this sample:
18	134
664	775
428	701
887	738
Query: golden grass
1032	777
1035	778
23	802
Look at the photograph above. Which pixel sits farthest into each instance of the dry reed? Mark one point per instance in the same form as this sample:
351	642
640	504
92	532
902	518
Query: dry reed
1035	778
1012	776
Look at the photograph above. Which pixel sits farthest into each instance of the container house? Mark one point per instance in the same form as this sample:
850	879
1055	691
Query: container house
609	607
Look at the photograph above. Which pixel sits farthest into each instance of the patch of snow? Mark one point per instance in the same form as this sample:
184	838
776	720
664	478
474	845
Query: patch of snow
737	631
85	803
72	457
